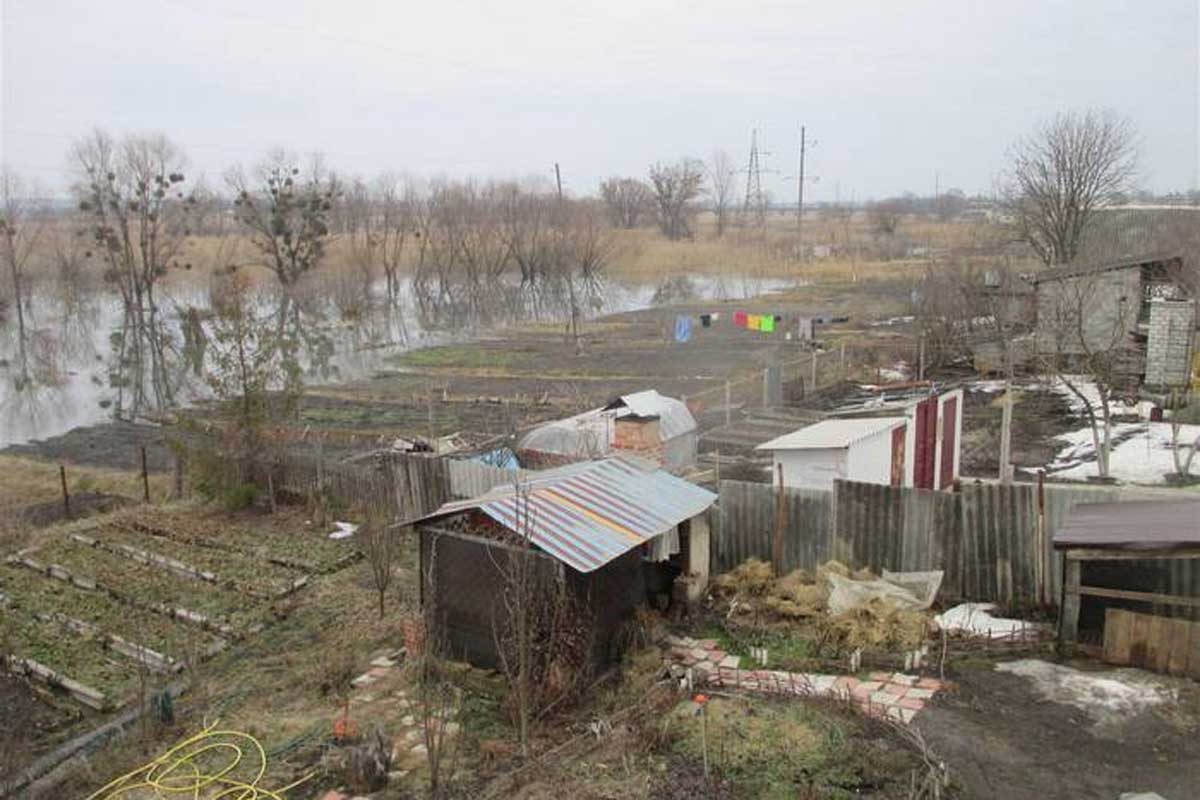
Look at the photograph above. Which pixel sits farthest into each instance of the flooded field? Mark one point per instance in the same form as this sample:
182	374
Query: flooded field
66	361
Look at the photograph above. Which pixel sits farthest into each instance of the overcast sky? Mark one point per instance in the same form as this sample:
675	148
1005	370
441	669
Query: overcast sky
893	92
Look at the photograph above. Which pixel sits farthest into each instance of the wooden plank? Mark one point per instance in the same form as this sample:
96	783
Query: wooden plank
1097	554
1068	632
1118	633
1128	594
1158	639
1178	632
1193	659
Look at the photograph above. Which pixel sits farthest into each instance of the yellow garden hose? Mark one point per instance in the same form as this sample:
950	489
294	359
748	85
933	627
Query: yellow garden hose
181	772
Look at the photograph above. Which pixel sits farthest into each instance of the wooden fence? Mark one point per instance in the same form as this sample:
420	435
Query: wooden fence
993	541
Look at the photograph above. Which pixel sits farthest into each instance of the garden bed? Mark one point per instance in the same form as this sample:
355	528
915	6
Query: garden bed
39	595
301	549
255	576
80	664
146	586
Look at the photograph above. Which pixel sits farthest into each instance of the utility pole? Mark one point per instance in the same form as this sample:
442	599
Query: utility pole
800	196
558	181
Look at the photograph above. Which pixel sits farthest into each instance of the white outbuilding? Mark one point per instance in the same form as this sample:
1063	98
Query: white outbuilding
869	450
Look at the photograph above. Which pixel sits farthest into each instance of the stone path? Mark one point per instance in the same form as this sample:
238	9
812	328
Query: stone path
890	695
372	689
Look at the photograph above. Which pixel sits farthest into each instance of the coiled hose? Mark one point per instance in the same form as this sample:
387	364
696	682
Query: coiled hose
201	768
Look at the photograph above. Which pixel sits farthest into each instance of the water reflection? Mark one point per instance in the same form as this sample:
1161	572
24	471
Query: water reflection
72	362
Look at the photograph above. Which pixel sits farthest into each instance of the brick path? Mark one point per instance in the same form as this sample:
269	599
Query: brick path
890	695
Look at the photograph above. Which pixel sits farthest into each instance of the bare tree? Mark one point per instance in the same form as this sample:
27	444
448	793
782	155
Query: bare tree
627	200
22	223
383	224
286	213
1085	338
1060	175
676	188
885	216
139	220
721	187
542	638
1183	452
381	547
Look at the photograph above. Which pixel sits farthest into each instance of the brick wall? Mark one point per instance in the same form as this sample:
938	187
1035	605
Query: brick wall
1170	341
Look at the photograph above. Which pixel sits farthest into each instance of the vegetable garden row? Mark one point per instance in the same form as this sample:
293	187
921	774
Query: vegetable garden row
96	610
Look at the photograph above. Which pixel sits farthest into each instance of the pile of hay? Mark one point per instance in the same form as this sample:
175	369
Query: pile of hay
751	593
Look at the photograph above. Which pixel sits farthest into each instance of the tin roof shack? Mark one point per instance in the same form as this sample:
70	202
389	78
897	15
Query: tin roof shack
1136	555
1089	310
868	450
612	532
647	424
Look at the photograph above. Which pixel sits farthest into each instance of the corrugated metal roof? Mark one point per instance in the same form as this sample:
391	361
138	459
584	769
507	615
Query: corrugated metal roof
588	514
1141	525
833	433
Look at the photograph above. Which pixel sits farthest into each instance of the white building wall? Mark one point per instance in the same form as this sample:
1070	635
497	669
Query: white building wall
870	460
810	469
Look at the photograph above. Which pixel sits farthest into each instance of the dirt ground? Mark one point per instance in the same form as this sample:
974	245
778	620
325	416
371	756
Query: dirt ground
1038	417
1001	739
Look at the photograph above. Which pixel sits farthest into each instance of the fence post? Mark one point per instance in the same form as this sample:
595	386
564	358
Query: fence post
777	544
813	380
842	359
62	476
177	477
728	401
145	478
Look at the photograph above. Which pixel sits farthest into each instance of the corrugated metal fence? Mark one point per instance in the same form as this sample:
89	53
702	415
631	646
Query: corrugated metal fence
991	539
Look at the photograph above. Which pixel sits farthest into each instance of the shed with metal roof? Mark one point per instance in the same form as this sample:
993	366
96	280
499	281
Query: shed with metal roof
615	532
870	450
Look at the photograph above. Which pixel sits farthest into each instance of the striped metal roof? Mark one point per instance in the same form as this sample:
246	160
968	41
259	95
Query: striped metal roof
588	514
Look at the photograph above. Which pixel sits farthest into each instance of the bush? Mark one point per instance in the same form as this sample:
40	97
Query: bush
239	497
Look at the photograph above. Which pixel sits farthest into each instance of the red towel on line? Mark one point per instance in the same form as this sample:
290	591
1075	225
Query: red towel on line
739	318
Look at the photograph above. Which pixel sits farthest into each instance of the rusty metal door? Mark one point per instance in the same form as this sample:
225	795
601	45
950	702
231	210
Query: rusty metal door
925	451
949	428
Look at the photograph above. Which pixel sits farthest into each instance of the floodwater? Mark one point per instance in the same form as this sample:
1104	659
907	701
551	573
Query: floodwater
65	371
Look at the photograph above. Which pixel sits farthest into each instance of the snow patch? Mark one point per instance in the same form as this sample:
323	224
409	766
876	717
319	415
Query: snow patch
343	530
974	618
1108	697
1141	452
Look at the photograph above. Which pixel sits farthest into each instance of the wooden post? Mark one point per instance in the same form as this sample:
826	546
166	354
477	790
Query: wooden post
177	481
718	467
145	478
1006	436
813	378
62	476
921	359
842	359
1068	623
777	545
1043	593
728	404
432	446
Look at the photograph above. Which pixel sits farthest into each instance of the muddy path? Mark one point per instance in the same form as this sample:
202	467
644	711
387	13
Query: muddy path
1002	739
